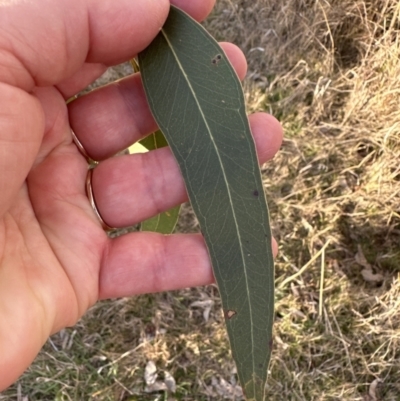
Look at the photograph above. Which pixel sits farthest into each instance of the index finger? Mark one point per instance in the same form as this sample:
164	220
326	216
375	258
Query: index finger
44	43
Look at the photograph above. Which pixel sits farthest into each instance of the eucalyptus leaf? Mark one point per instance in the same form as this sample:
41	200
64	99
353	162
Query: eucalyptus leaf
198	103
163	223
155	140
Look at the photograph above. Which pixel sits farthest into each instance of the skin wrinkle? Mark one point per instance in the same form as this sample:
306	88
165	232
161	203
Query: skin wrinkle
61	118
41	304
67	44
158	272
14	225
131	104
15	54
104	258
89	34
20	157
14	71
79	306
2	244
156	197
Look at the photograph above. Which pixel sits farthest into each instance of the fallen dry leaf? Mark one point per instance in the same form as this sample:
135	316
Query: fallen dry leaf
371	277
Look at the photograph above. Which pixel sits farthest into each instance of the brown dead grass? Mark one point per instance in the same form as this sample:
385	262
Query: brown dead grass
330	71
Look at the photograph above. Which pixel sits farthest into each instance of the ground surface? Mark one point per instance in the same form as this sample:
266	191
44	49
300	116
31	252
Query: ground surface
330	71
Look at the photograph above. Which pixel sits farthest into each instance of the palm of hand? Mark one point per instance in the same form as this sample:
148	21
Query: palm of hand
51	244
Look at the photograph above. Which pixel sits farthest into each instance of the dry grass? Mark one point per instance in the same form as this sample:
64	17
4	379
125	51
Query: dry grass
330	71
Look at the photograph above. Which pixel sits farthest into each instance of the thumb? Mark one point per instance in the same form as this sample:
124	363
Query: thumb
45	42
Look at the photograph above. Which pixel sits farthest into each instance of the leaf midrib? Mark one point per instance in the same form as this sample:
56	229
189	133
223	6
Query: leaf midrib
226	184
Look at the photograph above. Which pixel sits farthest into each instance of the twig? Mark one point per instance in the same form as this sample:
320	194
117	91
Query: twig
304	268
346	348
321	284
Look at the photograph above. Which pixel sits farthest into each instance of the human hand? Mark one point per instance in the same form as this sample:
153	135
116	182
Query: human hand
55	258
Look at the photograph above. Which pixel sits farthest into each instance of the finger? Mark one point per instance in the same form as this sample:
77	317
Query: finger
236	57
197	9
35	51
130	189
139	263
138	18
110	119
90	72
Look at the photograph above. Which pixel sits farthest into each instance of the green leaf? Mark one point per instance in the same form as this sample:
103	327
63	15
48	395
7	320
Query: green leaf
165	222
197	101
154	141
